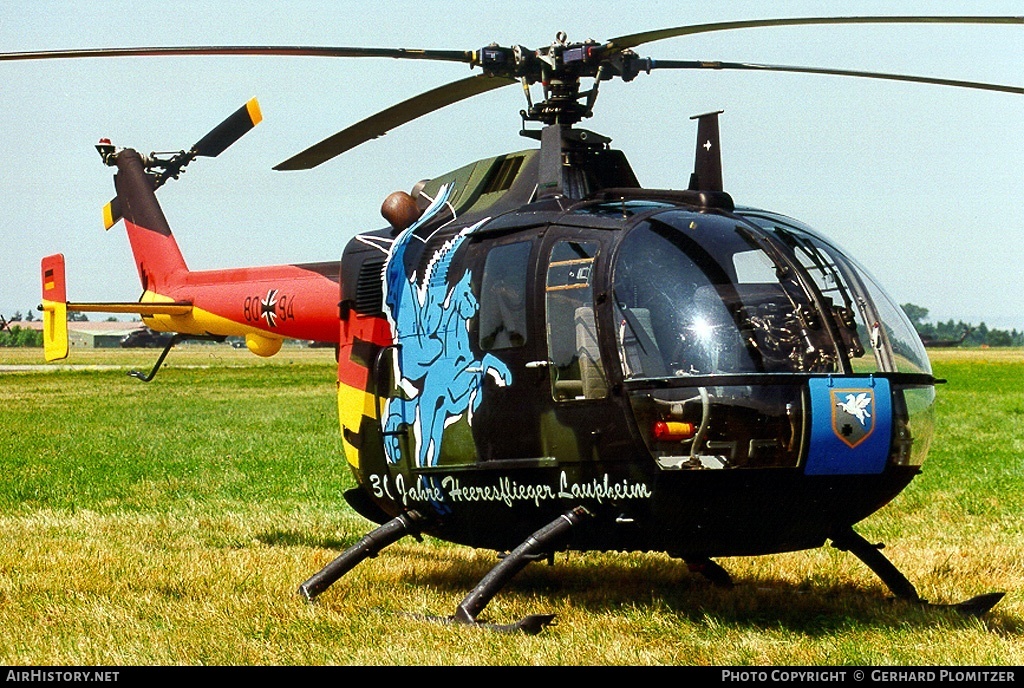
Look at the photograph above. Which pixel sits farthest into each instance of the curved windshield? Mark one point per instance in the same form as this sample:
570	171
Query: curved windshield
698	295
705	294
876	332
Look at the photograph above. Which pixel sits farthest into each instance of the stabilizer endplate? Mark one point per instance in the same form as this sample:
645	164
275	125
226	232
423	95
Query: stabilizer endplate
54	307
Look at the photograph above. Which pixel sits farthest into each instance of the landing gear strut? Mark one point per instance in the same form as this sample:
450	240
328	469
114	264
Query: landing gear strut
871	555
178	337
542	543
367	547
536	546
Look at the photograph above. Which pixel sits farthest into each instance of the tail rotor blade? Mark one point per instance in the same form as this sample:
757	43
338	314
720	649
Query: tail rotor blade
213	144
111	212
230	130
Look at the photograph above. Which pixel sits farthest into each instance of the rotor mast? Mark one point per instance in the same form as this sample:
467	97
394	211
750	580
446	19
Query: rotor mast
559	68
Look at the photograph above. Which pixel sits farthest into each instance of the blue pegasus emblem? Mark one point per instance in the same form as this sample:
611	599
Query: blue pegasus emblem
439	376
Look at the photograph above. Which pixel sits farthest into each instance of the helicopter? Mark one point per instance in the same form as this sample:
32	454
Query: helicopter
939	343
538	354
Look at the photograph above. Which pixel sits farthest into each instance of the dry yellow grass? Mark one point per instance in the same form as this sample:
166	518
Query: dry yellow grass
192	554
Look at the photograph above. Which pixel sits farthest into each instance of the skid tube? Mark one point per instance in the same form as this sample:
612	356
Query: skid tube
850	541
711	570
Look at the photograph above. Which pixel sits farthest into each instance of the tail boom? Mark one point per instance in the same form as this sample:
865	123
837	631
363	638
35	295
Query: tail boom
264	304
157	257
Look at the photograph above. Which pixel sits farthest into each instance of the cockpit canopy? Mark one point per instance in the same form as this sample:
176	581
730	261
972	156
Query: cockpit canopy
702	294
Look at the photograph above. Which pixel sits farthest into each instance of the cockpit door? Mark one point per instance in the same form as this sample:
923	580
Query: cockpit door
506	424
586	422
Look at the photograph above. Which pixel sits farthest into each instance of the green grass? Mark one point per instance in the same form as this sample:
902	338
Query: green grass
171	523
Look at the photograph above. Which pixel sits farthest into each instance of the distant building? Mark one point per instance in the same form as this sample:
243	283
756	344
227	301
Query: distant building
90	335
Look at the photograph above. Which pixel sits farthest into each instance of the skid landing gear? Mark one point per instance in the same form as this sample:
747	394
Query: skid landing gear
871	555
535	547
176	339
367	547
711	570
539	545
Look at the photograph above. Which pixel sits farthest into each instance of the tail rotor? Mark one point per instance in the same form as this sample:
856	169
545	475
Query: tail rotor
166	166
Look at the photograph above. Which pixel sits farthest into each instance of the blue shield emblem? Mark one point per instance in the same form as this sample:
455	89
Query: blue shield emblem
851	426
853	415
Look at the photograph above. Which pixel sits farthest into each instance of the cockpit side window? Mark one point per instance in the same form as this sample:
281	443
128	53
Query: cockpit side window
577	371
875	333
503	297
837	287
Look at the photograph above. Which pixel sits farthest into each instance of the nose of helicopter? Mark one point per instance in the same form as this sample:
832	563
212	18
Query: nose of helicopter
744	343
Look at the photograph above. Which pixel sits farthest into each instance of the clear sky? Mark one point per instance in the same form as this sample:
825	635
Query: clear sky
924	184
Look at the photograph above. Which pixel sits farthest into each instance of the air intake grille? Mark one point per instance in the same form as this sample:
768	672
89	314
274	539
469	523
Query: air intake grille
370	288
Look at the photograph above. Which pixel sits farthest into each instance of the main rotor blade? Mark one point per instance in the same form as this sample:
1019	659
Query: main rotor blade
384	121
637	39
296	51
693	64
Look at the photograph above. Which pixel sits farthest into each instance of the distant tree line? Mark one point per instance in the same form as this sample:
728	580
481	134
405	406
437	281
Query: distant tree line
972	335
12	334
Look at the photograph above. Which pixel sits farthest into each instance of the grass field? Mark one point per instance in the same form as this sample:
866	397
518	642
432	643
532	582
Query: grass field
171	523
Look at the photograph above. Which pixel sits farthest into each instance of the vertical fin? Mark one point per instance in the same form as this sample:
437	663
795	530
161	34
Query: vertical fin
707	161
157	256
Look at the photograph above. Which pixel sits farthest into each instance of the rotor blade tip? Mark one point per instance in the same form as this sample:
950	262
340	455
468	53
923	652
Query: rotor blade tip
111	214
253	106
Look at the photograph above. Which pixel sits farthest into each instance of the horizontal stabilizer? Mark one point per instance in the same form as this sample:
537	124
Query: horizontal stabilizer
147	309
56	307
